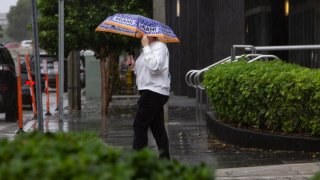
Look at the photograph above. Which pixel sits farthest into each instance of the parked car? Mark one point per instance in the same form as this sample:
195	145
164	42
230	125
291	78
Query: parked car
8	85
82	72
26	47
13	45
50	68
25	83
25	89
13	48
26	44
24	70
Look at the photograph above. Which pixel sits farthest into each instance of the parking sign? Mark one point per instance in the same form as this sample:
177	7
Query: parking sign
56	67
44	67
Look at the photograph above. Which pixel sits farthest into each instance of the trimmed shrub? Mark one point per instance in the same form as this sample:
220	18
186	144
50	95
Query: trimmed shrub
316	176
271	95
84	156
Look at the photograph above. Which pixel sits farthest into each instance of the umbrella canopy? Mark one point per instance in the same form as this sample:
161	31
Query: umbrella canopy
140	25
118	30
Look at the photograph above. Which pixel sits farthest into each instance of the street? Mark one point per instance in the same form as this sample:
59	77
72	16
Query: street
28	113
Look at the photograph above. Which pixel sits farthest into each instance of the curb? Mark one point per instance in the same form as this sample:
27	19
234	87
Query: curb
276	172
255	139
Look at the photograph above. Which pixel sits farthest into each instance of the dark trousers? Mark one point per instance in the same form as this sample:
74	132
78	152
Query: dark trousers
150	114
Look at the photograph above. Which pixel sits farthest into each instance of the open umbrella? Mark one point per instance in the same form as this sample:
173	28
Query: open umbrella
118	30
140	25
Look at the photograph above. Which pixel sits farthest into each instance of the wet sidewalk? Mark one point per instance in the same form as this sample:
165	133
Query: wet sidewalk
190	141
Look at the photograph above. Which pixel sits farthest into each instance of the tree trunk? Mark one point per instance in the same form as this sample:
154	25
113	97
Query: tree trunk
70	81
107	73
74	89
103	85
111	75
103	81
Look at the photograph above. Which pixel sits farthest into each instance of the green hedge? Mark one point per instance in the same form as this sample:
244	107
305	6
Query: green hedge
270	95
85	156
316	176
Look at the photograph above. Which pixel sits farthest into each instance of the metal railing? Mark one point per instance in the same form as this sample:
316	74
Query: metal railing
255	49
193	77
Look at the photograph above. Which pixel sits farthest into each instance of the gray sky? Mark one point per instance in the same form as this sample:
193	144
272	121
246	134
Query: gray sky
6	4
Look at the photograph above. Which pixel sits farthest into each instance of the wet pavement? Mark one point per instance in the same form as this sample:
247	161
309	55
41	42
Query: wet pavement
190	140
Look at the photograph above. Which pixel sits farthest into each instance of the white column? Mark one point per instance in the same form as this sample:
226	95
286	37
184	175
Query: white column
159	10
159	13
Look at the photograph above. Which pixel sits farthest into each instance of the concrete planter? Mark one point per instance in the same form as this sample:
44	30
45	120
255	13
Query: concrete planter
255	139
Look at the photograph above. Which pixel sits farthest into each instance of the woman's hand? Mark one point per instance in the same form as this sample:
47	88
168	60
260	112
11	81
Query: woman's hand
144	41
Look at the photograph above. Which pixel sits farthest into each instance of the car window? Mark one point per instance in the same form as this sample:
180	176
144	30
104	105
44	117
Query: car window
5	57
23	64
8	57
50	59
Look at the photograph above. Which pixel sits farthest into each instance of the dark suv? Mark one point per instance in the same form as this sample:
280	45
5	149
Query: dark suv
8	85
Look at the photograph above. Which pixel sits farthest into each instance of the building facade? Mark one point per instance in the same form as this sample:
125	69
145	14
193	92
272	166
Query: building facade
304	28
3	20
207	29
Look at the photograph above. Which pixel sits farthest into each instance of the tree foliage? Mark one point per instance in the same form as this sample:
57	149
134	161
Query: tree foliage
1	32
19	18
81	19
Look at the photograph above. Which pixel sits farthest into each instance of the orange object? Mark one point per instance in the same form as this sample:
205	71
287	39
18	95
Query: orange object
18	71
34	105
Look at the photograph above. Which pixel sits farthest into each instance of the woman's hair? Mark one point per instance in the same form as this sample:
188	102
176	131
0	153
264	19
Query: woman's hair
153	38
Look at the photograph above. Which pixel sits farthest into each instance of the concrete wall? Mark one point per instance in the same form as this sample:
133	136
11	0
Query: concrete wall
159	10
93	77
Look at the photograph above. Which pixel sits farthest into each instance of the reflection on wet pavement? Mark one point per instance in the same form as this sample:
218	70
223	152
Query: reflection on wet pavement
190	141
228	156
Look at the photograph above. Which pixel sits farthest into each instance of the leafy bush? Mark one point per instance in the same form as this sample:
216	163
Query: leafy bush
85	156
269	95
316	176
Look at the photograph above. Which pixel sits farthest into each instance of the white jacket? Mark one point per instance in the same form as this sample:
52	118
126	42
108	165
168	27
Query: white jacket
152	69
